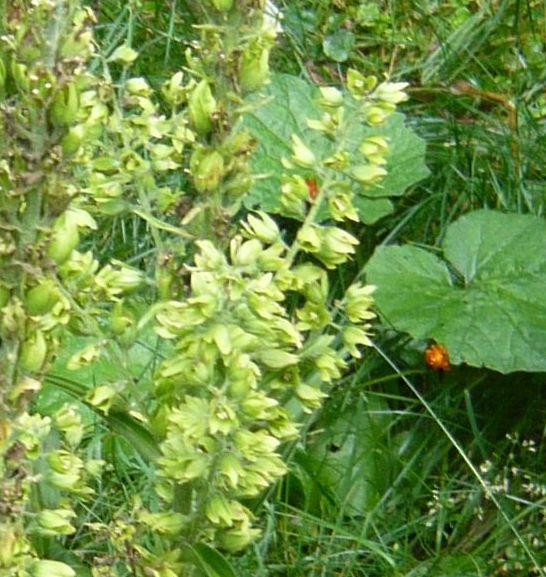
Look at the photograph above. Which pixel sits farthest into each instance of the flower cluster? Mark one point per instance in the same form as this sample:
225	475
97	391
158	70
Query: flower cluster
242	354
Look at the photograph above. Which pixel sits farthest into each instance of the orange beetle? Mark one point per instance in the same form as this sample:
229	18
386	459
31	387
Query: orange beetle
437	358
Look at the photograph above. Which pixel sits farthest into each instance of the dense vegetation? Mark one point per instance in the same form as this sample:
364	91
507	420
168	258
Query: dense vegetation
271	288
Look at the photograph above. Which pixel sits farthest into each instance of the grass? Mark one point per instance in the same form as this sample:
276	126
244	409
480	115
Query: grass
405	472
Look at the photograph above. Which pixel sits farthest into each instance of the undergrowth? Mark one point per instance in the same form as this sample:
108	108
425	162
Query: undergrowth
404	471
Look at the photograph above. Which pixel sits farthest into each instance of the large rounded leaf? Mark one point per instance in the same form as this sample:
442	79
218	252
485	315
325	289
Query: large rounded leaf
486	302
289	103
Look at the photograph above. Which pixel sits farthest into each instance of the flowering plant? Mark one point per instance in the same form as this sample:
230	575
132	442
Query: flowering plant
249	340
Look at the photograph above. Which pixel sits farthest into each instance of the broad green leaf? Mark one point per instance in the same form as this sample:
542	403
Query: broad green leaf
349	463
208	560
290	103
338	46
485	302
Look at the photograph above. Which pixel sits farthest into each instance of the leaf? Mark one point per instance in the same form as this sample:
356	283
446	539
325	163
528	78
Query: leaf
338	46
210	561
491	310
118	420
291	102
349	463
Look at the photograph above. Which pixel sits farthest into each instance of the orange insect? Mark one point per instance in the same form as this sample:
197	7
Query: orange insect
312	188
437	358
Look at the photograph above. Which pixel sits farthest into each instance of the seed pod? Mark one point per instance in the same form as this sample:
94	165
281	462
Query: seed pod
201	107
72	140
39	300
239	389
33	353
254	71
64	108
65	239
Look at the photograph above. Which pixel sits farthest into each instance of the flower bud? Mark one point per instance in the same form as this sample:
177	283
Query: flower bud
391	92
358	301
302	155
201	107
277	359
337	246
55	522
64	470
339	240
122	279
138	87
238	538
376	115
101	397
368	173
263	227
358	84
310	397
220	511
230	467
239	389
247	253
69	421
271	259
330	96
353	336
341	207
374	146
309	238
173	90
124	55
294	194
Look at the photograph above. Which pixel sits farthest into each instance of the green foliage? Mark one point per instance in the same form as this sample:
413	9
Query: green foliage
348	467
291	103
250	346
484	303
186	383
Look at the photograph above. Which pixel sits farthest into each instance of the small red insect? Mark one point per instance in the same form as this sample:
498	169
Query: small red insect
312	188
437	358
